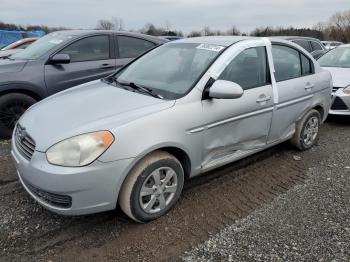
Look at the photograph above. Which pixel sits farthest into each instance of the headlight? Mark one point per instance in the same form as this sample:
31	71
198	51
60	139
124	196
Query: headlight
346	90
80	150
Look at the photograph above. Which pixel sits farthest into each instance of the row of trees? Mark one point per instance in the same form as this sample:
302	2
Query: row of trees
337	28
117	24
47	29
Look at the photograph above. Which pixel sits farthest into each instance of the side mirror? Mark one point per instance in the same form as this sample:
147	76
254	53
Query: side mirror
60	59
223	89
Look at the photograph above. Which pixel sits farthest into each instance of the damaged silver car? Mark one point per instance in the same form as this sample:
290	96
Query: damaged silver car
180	110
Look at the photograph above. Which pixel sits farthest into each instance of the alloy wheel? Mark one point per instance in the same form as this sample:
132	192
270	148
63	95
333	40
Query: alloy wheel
158	190
310	130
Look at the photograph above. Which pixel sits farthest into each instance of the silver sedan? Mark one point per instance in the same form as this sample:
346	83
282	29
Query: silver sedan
187	107
337	61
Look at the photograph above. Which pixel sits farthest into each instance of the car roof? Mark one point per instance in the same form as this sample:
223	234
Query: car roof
215	40
344	45
329	41
296	37
91	32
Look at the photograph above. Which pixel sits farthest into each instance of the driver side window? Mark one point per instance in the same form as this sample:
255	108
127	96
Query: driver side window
91	48
249	69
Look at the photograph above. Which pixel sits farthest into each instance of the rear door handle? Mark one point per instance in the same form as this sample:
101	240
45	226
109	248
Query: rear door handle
106	66
263	99
309	86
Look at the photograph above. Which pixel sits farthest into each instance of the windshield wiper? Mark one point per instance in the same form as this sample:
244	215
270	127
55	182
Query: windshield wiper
141	88
134	86
145	89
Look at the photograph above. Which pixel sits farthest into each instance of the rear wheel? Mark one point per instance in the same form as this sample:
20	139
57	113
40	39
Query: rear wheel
12	106
307	130
152	188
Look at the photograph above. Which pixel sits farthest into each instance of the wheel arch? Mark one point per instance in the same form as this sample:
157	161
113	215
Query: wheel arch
181	155
321	110
22	90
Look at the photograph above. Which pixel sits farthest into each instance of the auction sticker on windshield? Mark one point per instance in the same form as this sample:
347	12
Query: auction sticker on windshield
210	47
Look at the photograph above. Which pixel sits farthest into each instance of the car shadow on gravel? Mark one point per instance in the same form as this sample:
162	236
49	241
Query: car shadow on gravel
338	120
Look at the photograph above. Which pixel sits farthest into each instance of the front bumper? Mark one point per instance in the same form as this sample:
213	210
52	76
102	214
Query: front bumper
340	103
89	189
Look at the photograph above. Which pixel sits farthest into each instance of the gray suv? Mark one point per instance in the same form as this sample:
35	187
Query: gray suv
59	61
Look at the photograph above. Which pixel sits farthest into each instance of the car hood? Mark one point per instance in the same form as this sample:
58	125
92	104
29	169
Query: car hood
11	66
341	76
90	107
6	53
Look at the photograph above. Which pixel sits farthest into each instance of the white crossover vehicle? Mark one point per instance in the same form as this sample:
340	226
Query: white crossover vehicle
175	112
337	61
329	45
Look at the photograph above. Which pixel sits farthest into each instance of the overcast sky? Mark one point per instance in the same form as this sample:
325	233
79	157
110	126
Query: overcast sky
185	15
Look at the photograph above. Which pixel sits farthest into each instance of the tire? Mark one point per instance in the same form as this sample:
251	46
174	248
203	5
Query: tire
12	107
299	139
141	178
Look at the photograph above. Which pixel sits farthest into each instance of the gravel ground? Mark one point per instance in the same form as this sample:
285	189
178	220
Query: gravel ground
233	195
311	222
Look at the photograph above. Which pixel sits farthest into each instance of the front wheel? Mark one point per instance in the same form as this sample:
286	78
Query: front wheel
152	188
307	130
12	106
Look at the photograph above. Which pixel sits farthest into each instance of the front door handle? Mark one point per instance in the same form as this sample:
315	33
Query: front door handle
263	99
106	66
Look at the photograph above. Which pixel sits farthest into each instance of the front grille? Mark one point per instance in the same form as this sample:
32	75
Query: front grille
334	89
24	143
61	201
338	104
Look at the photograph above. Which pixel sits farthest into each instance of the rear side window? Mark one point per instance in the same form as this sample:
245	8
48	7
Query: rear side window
130	47
249	69
286	61
305	65
88	49
304	44
316	46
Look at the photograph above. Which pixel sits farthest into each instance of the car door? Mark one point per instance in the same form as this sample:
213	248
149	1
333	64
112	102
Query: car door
295	83
129	47
90	59
238	125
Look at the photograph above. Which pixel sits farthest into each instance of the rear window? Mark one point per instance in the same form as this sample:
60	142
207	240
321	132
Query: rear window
304	44
316	46
305	65
130	47
287	62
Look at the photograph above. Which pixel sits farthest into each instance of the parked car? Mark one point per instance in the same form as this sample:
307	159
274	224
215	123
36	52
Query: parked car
59	61
170	37
329	45
337	61
16	47
135	136
312	45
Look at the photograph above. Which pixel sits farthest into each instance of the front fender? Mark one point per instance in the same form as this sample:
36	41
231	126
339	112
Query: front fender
35	91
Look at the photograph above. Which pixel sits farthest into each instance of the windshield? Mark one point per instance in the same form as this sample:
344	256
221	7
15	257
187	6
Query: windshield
338	57
172	69
42	46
